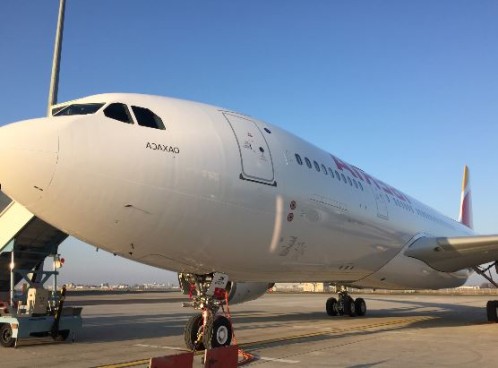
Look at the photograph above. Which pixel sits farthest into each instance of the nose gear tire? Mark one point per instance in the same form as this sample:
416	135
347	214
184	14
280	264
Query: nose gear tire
191	333
218	333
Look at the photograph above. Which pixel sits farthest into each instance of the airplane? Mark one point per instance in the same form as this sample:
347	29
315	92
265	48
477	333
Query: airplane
232	204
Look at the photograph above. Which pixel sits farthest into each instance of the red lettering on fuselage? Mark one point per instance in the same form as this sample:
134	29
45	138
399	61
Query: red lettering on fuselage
369	179
363	176
386	188
342	165
400	195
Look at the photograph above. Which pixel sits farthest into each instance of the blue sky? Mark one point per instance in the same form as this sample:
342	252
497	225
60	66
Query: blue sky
408	91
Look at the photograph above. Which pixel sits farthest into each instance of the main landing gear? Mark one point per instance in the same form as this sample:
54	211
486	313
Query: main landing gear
491	305
345	305
208	293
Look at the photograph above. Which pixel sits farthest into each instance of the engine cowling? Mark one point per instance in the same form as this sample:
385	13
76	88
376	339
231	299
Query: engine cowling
241	292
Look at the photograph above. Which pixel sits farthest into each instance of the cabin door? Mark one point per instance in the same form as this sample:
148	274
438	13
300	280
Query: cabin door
255	155
381	203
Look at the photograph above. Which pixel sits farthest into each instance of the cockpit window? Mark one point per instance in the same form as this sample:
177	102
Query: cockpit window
79	109
118	111
55	110
147	118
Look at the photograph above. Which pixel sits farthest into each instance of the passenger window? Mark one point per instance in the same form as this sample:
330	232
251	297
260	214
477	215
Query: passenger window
147	118
349	181
355	184
337	175
298	159
344	178
331	172
317	167
324	169
308	162
118	111
361	186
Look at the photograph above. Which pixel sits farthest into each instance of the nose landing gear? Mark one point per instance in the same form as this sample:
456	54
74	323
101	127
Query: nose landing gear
208	293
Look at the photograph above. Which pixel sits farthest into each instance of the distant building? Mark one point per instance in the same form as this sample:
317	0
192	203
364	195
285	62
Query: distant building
468	287
289	287
316	287
313	287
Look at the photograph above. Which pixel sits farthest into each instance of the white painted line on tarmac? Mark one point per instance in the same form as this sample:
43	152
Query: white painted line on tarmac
279	360
160	347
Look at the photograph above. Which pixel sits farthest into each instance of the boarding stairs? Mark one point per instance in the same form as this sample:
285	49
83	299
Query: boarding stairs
32	238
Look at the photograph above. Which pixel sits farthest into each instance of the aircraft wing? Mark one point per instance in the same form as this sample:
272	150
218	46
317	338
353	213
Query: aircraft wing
456	253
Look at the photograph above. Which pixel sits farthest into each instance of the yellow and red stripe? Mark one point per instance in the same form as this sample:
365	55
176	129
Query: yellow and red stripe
466	200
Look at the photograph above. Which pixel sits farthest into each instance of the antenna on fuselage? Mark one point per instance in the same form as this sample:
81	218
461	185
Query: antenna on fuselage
56	61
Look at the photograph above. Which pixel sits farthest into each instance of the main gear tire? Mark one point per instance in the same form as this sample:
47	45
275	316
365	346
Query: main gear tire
492	310
349	307
331	307
360	306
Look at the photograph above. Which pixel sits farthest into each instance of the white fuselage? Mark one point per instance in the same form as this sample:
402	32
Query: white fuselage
218	191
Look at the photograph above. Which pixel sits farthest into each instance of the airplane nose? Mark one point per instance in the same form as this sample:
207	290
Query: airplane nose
28	156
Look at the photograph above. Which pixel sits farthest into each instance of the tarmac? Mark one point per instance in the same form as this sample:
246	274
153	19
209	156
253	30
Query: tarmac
280	330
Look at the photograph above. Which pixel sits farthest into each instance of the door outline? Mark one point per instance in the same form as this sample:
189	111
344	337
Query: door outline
256	162
382	210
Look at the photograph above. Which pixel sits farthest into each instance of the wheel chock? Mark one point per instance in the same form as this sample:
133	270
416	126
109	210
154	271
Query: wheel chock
185	360
223	357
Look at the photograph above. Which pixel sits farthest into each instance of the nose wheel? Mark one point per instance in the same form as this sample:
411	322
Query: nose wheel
218	333
193	333
215	333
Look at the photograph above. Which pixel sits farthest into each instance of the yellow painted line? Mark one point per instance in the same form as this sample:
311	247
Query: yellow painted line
336	331
126	364
289	338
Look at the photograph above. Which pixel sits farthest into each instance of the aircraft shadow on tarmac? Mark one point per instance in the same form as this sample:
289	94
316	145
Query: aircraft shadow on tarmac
126	327
443	315
140	326
121	327
453	313
457	314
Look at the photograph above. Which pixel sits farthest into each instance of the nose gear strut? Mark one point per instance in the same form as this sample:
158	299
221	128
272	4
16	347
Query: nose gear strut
208	330
208	293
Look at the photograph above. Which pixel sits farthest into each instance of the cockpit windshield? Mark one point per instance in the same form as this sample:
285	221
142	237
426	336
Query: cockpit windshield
78	109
